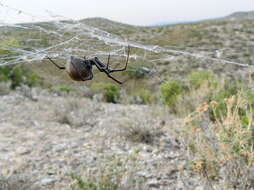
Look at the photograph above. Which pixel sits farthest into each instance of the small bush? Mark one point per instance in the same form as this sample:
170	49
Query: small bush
138	72
187	102
70	113
223	148
4	73
116	173
111	93
65	89
197	78
226	90
104	183
141	132
170	90
19	75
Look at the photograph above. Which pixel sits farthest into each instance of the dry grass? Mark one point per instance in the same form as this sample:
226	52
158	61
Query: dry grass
187	103
64	113
140	132
76	112
111	175
222	151
4	88
17	182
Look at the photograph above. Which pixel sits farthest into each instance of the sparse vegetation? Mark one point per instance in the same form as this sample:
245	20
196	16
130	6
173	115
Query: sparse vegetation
223	144
139	133
111	92
65	89
17	182
19	75
138	72
101	183
198	78
4	88
215	101
112	175
71	113
170	90
142	96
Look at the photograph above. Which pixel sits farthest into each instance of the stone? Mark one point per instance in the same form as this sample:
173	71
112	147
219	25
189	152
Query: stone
47	181
153	183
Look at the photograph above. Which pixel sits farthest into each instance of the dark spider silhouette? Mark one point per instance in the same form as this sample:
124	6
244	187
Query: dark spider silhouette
81	69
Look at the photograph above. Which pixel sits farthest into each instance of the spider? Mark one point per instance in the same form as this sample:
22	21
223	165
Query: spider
81	69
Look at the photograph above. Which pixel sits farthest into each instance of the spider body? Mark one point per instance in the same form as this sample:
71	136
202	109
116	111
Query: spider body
81	69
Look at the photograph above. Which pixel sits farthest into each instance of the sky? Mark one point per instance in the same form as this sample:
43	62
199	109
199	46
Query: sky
136	12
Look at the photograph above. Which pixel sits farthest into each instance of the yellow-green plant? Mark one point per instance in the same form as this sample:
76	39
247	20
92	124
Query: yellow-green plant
18	75
198	78
170	90
111	92
66	89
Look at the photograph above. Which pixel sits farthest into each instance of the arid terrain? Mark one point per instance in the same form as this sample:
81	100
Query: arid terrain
182	120
46	138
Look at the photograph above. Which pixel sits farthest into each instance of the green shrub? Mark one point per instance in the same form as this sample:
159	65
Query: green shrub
111	93
138	71
197	78
4	73
4	51
170	90
229	89
104	183
18	75
66	89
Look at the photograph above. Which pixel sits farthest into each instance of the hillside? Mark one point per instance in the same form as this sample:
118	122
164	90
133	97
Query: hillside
183	119
241	15
228	40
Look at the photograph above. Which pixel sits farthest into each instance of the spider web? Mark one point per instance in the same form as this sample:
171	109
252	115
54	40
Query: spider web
63	37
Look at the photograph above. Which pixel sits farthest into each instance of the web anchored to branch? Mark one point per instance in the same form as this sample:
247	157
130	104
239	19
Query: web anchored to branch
34	41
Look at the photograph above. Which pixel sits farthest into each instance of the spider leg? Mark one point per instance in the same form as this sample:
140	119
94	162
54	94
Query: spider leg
59	67
102	68
126	63
105	68
119	82
108	60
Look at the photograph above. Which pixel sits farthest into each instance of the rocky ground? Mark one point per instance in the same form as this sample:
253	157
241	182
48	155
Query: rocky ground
46	137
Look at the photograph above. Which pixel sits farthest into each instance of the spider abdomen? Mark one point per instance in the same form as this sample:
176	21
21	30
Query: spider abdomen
77	69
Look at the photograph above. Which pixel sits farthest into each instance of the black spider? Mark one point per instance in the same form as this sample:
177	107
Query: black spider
81	69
